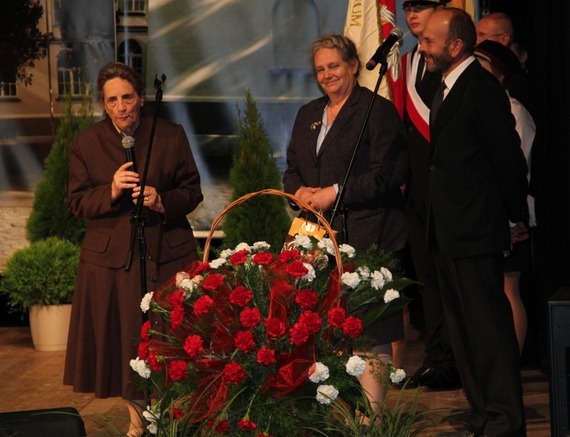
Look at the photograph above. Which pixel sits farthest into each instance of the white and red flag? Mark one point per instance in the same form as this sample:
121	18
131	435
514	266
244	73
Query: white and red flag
368	24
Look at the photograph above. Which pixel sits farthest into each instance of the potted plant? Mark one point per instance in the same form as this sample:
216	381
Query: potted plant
40	278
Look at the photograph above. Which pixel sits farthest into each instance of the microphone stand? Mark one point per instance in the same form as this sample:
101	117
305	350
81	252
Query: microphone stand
338	201
137	218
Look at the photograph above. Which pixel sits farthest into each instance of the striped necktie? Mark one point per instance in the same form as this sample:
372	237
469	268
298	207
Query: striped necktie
436	103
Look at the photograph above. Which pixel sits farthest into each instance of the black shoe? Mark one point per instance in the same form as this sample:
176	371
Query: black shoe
420	377
443	378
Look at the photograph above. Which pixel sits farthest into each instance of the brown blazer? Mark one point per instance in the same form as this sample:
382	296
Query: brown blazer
95	156
372	197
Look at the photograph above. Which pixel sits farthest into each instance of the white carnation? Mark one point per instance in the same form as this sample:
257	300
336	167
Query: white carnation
350	279
390	295
377	280
217	263
152	418
327	244
261	245
303	241
320	374
355	366
140	367
226	253
145	302
326	394
310	275
180	276
386	273
397	376
348	250
187	284
243	246
364	272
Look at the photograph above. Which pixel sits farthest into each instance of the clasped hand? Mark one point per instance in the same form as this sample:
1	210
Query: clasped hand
320	199
125	179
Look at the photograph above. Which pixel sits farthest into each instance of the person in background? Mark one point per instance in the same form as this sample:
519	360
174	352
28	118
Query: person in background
498	27
324	135
438	370
496	59
477	184
106	316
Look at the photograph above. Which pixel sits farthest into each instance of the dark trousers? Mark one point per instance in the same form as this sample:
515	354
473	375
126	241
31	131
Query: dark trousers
437	348
482	336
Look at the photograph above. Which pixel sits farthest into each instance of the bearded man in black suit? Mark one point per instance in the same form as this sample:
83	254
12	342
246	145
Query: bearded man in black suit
477	186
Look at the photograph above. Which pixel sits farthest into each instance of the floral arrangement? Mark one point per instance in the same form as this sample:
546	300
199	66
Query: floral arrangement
260	343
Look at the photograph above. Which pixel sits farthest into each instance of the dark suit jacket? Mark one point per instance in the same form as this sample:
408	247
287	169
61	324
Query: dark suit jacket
478	171
96	155
372	196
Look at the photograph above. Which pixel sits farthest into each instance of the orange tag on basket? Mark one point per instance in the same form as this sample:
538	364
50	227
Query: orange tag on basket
303	227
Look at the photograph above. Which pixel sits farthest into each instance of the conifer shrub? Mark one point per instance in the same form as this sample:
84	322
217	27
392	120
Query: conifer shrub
50	216
262	218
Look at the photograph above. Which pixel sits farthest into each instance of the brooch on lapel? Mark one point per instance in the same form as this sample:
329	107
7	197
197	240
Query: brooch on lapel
315	124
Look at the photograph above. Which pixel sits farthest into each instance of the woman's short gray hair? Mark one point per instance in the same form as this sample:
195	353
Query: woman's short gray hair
344	45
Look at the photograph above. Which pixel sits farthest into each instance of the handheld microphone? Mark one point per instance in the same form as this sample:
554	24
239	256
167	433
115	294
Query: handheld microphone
129	145
382	53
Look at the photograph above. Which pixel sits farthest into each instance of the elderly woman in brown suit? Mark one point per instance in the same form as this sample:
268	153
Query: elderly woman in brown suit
107	318
322	143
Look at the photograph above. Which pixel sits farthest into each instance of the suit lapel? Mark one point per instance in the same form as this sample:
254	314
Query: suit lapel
452	100
343	118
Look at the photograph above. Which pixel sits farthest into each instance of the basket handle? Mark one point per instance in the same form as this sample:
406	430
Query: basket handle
272	192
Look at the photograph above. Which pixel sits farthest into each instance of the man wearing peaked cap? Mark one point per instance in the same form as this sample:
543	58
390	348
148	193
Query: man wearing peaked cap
434	3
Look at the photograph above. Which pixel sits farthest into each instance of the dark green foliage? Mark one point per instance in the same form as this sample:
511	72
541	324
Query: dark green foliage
263	218
50	216
21	42
42	274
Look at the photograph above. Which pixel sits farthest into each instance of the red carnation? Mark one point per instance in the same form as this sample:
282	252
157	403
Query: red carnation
178	370
213	282
239	257
234	372
221	426
145	331
286	255
296	269
143	349
244	341
177	413
193	345
202	305
247	425
352	326
176	298
306	299
311	320
240	296
201	267
262	258
152	361
299	334
275	327
265	356
249	317
336	317
176	317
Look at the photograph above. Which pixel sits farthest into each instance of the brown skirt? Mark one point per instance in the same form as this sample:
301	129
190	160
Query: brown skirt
105	326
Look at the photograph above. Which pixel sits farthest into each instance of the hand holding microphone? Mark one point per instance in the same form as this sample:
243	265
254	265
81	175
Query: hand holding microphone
126	177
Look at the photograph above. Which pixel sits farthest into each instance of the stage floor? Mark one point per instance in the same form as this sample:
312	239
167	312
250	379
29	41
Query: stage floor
32	380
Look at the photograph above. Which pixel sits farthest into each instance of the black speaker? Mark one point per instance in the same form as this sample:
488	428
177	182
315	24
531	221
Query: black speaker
42	423
559	321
